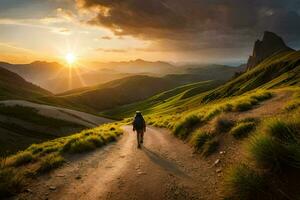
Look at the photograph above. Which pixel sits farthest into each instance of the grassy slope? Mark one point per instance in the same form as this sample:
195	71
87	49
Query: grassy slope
279	70
124	91
274	149
115	93
165	100
44	157
14	86
15	137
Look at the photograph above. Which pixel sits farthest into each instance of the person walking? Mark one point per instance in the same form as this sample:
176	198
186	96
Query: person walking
139	125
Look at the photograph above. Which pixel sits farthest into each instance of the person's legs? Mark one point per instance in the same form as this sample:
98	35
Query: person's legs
138	137
142	137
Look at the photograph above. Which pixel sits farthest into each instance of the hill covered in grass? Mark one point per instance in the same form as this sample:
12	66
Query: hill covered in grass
280	70
248	127
38	159
13	86
164	101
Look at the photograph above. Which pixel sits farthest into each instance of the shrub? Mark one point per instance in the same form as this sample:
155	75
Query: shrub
210	147
242	129
223	124
241	106
212	113
35	149
11	182
183	128
200	138
108	137
285	131
274	155
68	144
20	158
81	145
96	140
50	162
262	96
243	183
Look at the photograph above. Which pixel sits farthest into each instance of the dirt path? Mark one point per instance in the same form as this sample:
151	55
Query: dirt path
165	168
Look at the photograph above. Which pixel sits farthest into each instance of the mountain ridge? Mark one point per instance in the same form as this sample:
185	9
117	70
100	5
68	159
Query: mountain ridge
270	44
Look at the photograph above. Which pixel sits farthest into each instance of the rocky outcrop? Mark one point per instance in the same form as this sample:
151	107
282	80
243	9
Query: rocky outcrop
270	45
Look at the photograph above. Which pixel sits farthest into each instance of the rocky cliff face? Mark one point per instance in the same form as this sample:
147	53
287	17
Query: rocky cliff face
270	45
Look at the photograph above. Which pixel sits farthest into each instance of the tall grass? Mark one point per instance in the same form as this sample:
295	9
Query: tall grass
20	158
204	142
243	183
223	124
184	127
277	146
242	129
11	180
49	162
275	150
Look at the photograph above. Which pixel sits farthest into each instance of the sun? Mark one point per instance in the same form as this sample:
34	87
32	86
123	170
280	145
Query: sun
70	58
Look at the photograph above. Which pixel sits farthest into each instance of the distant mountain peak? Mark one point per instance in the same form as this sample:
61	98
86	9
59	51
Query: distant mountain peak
269	45
45	63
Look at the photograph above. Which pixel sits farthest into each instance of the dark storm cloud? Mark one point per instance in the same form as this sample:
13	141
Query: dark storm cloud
196	24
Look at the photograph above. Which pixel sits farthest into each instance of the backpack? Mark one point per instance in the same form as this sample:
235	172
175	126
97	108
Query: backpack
138	123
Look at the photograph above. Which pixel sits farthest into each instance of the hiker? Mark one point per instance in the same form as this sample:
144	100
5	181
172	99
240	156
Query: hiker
139	125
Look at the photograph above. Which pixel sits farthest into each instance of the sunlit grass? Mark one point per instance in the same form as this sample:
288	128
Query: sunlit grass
50	155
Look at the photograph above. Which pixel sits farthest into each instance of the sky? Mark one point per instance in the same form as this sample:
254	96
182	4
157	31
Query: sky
202	31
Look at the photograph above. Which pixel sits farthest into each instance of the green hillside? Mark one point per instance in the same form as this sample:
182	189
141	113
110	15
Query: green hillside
136	88
276	71
164	101
13	86
254	118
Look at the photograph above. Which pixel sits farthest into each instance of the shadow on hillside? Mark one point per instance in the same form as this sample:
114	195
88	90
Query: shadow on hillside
164	163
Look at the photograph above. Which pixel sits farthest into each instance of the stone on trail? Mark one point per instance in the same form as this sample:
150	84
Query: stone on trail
28	190
141	173
52	188
216	162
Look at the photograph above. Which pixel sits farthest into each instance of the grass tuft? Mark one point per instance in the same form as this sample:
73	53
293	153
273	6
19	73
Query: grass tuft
20	158
274	155
286	131
242	129
81	145
11	182
242	106
200	138
244	183
50	162
204	142
210	147
222	124
184	127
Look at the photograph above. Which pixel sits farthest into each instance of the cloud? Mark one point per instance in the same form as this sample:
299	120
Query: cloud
194	24
106	38
111	50
62	31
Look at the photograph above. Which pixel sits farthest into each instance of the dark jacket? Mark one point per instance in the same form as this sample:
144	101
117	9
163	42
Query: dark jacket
139	123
